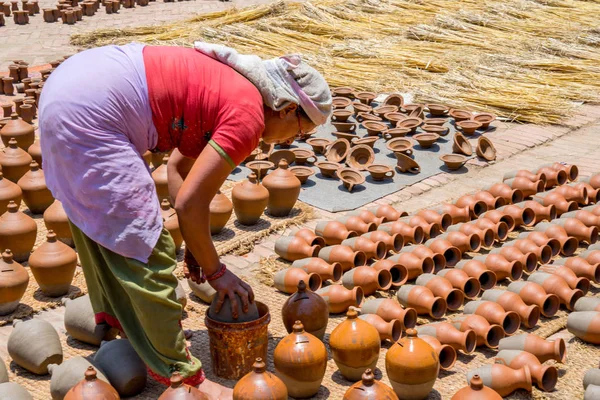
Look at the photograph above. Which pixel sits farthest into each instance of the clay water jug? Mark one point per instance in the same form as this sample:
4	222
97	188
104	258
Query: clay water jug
354	346
486	236
495	314
412	367
543	253
578	230
367	278
369	389
220	211
558	286
334	232
249	200
446	354
487	334
545	376
561	204
387	212
502	379
53	265
36	194
260	384
391	330
441	246
529	314
14	161
441	218
492	202
320	267
461	281
287	280
309	236
66	375
497	216
476	391
543	349
523	216
533	293
284	189
292	248
13	283
14	391
124	369
526	186
576	194
17	232
477	269
423	252
525	174
587	304
571	170
300	361
373	250
585	325
9	191
422	300
568	275
477	207
463	242
398	272
511	253
499	228
446	333
367	216
344	255
34	345
80	321
55	218
92	388
159	175
411	234
171	222
355	224
35	151
389	310
339	299
443	288
503	268
180	391
307	307
19	130
414	265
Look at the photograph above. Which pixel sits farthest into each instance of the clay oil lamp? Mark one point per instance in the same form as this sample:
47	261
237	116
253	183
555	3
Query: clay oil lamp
350	178
414	110
426	140
345	127
461	145
453	161
374	128
318	144
365	97
469	126
460	115
302	173
382	110
368	141
304	156
394	133
360	157
400	145
380	172
260	168
361	108
435	121
410	123
340	102
363	116
343	135
437	109
394	100
437	129
338	151
328	169
395	117
287	155
341	115
406	164
485	149
485	119
343	91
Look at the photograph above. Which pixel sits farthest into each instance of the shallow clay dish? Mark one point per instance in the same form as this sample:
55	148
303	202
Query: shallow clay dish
407	164
414	110
437	109
469	126
485	118
460	115
260	168
344	126
343	91
379	172
368	141
318	144
439	130
411	123
302	173
453	161
340	102
461	145
342	135
367	117
360	157
341	115
328	168
400	145
435	121
365	97
394	133
279	155
395	117
350	177
394	100
337	151
304	155
485	149
374	128
382	110
361	108
426	140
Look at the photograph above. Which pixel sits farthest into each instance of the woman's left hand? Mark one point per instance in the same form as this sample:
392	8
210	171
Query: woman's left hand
229	285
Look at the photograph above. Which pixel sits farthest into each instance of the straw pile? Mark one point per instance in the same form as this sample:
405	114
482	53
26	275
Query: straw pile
527	60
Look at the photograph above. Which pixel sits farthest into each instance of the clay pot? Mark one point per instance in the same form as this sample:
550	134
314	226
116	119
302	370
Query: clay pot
575	228
307	307
355	346
392	242
502	379
15	162
430	230
389	310
461	145
36	194
587	304
356	224
561	204
502	267
180	391
300	361
373	250
509	194
477	207
485	149
558	286
554	177
556	238
542	253
304	156
388	213
533	293
53	266
308	236
284	189
426	140
585	217
406	164
318	266
365	98
374	128
544	350
159	175
569	276
80	321
523	216
461	281
441	287
287	280
249	200
91	387
486	334
585	325
486	236
333	232
423	252
394	100
367	217
369	388
489	199
446	333
17	232
476	391
524	173
446	353
593	194
56	219
20	130
13	282
495	314
367	278
442	246
497	216
294	248
422	300
463	242
391	330
529	314
570	193
469	126
339	299
412	367
411	234
511	253
220	210
344	255
441	218
458	214
414	265
124	369
478	270
66	375
338	150
9	191
398	272
34	344
171	222
14	391
203	291
545	376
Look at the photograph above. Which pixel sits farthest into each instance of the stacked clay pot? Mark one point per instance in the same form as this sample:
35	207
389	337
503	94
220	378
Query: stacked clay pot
284	189
53	265
17	232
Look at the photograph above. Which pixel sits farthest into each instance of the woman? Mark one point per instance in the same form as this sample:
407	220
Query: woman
100	110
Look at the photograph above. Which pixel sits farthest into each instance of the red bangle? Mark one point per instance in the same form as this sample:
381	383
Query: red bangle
217	274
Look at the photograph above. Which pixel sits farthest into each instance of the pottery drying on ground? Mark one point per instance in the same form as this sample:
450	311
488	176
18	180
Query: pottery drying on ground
294	248
13	283
460	280
477	269
35	151
423	252
390	310
367	278
446	353
53	265
453	161
485	149
495	314
468	127
344	255
92	388
510	301
557	239
422	300
34	345
260	384
400	146
372	249
333	232
460	115
441	287
66	375
545	376
476	391
339	299
249	200
124	369
543	349
14	161
3	372
393	242
80	321
585	325
180	391
407	164
487	334
284	189
337	151
533	293
20	130
558	286
302	173
503	268
14	391
350	178
502	379
511	253
569	276
304	156
442	246
339	102
360	157
287	280
220	209
413	264
307	307
159	175
380	172
463	242
8	191
318	144
320	267
446	333
578	229
391	330
17	232
411	234
486	235
55	219
369	389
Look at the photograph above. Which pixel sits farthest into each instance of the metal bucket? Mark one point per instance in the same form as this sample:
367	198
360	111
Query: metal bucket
235	346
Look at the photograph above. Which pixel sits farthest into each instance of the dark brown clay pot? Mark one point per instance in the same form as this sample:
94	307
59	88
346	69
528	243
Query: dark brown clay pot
17	232
321	267
356	224
307	307
13	282
9	191
14	161
56	219
36	194
180	391
260	384
511	253
287	280
557	200
300	361
123	367
446	333
411	234
53	266
495	314
502	379
333	232
344	255
533	293
414	265
391	330
284	189
249	200
476	269
34	344
543	349
545	376
294	248
373	250
20	130
392	242
388	213
367	278
509	194
441	246
369	388
398	272
220	211
442	287
171	222
461	281
568	275
585	325
422	300
476	391
503	268
159	175
487	334
389	310
441	218
91	387
355	346
529	314
339	299
581	267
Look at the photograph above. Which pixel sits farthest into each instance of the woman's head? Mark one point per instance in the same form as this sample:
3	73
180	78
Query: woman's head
282	126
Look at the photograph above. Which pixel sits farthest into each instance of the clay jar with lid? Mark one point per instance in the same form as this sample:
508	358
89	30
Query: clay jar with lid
92	388
171	222
284	189
36	194
34	345
53	266
17	232
260	384
14	161
476	391
13	283
300	361
412	367
9	191
249	200
20	130
307	307
159	175
355	346
180	391
220	212
55	218
369	389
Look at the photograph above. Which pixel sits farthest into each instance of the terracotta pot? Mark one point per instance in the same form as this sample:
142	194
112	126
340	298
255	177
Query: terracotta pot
159	175
66	375
544	350
13	282
486	334
388	213
461	281
308	236
569	276
35	151
249	200
9	191
446	333
541	212
423	252
36	194
558	286
92	386
422	300
571	169
499	228
545	376
17	232
406	164
443	246
542	253
53	266
339	299
553	177
122	366
458	214
14	161
441	218
333	232
524	173
573	227
476	391
585	325
533	293
463	242
367	278
495	314
477	207
430	230
486	236
320	267
411	234
590	255
570	193
509	194
502	379
365	98
441	287
287	280
591	392
412	367
398	272
179	390
220	210
367	217
80	321
492	202
344	255
56	219
356	224
593	180
391	330
21	131
369	388
354	346
593	194
171	223
587	304
203	291
373	250
523	216
392	242
307	307
478	270
511	253
34	345
585	217
446	353
389	310
529	314
503	268
556	238
284	189
260	384
294	248
561	204
497	216
414	265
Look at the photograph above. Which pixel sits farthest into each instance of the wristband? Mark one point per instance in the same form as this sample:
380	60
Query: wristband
217	274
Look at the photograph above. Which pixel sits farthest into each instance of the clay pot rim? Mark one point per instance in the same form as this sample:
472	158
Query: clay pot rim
350	171
395	116
360	107
303	152
410	122
337	156
453	161
381	168
364	116
434	129
340	102
365	95
342	112
342	89
359	150
404	131
374	125
469	124
485	117
461	114
407	142
343	135
394	97
262	163
302	170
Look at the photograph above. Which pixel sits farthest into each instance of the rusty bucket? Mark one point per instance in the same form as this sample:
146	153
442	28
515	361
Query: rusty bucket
235	346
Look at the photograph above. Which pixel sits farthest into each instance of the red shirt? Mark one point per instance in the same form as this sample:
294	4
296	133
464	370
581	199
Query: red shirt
197	100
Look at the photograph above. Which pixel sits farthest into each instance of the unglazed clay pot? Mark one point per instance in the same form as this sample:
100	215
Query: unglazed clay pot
180	391
585	325
20	130
354	346
495	314
391	330
422	300
122	366
53	266
587	218
477	207
446	333
558	286
568	275
545	376
367	278
171	222
34	345
294	248
476	391
307	307
543	253
578	230
333	232
398	272
446	353
390	310
13	283
423	252
588	304
36	194
339	299
478	270
356	224
14	161
492	202
14	391
373	250
544	350
487	334
556	238
284	189
414	265
35	151
557	200
486	236
509	194
387	212
309	236
9	191
80	321
458	214
66	375
463	242
411	234
523	216
502	379
287	280
541	212
203	291
17	232
511	253
55	218
526	186
344	255
249	199
392	242
441	218
443	288
367	216
501	266
533	293
159	175
369	389
576	194
220	211
260	384
92	388
529	314
320	267
412	367
499	228
430	230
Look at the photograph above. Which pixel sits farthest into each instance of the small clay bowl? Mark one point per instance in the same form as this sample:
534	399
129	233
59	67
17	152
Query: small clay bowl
437	109
341	115
394	100
460	115
318	144
485	149
343	135
302	173
360	157
440	130
469	126
406	164
368	141
453	161
260	168
350	177
400	145
410	123
367	117
279	155
340	102
485	118
414	110
365	97
337	151
435	121
395	117
394	133
374	128
382	110
344	126
381	171
426	140
328	168
461	145
304	155
361	108
343	91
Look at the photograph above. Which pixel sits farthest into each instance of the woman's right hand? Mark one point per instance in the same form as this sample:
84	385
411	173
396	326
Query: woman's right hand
229	285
